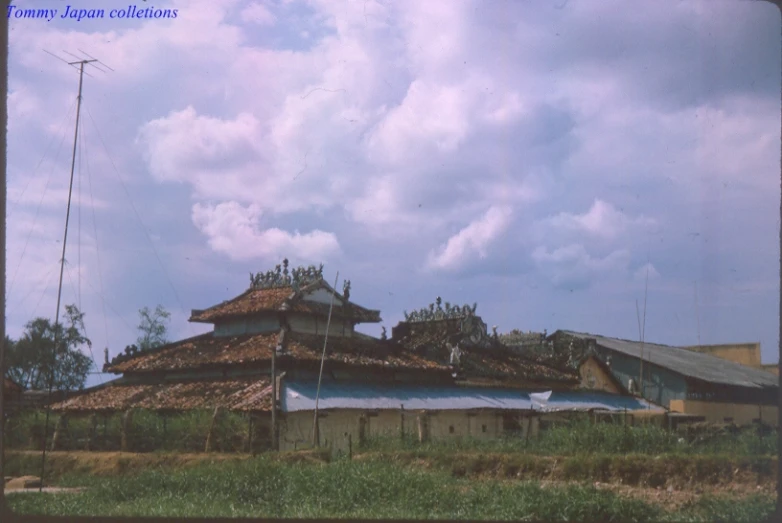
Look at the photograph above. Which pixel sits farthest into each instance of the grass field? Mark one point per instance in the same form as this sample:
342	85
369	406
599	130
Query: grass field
272	487
584	472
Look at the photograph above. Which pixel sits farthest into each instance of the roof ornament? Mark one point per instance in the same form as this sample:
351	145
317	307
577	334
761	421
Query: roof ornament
346	289
456	354
285	276
435	311
383	335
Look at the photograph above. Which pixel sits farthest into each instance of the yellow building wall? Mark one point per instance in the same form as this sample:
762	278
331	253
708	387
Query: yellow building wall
744	353
339	427
742	414
593	377
772	368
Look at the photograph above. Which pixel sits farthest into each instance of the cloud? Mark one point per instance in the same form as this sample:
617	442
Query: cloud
472	241
257	13
645	270
602	220
234	230
573	266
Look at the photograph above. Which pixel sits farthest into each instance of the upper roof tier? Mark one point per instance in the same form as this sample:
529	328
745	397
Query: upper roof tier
301	290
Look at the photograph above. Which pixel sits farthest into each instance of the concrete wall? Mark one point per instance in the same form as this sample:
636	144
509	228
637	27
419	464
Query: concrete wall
239	326
323	296
314	325
744	353
741	414
593	377
336	425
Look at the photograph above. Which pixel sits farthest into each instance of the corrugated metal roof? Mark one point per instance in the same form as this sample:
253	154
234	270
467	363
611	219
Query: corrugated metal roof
688	363
588	400
300	395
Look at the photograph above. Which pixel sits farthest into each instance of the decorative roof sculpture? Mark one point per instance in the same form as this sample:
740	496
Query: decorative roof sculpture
282	277
436	311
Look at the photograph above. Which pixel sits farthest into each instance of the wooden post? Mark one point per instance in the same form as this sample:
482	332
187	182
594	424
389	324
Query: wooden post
250	435
362	429
274	398
350	446
92	431
402	423
127	420
62	425
423	427
210	436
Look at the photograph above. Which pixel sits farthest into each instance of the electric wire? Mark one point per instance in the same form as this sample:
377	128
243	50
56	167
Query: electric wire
138	217
35	218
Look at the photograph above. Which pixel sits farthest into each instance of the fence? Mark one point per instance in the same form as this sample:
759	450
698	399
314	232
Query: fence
144	431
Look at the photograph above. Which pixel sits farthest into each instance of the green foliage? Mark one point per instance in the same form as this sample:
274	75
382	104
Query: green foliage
153	327
49	354
150	431
584	437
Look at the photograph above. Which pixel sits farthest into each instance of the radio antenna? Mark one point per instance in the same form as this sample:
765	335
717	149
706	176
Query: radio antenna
78	64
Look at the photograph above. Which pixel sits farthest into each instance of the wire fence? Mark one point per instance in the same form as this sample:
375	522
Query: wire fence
146	431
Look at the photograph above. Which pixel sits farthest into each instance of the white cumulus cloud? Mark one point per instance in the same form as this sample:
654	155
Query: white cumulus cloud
235	230
472	241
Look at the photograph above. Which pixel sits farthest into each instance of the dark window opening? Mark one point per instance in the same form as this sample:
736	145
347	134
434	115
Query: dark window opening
483	428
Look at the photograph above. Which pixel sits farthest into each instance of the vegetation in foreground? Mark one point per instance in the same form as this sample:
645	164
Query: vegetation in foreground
585	437
263	487
186	432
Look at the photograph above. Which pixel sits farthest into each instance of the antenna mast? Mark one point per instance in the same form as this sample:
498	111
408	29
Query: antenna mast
80	63
315	427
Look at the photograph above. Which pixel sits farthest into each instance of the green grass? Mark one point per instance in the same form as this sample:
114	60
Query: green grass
264	487
186	432
583	437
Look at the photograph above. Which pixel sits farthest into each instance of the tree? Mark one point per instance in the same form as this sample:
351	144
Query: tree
153	328
35	362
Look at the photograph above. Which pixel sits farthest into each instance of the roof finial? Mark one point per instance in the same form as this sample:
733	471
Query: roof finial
346	289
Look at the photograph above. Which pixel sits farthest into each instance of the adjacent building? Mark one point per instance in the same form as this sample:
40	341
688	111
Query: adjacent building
680	379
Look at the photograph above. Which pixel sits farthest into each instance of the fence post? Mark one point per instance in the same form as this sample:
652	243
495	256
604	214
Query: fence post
93	429
402	422
61	426
211	435
127	420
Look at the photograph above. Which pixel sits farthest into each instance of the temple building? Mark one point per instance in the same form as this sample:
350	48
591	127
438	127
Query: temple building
441	374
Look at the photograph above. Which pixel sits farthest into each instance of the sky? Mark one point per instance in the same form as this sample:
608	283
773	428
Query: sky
543	159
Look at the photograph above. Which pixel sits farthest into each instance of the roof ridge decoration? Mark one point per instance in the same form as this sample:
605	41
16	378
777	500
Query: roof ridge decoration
282	277
435	311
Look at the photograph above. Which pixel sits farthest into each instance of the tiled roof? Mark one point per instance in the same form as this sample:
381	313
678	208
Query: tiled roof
207	350
287	298
486	358
202	351
240	394
250	301
362	351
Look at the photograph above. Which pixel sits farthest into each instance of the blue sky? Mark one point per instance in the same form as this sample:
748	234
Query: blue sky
535	157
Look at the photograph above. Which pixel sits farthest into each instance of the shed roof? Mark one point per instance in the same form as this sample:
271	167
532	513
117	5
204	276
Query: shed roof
686	362
589	400
300	395
239	394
